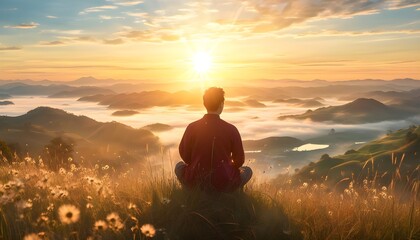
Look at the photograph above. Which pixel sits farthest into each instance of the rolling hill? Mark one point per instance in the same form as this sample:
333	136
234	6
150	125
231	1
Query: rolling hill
52	90
308	103
362	110
272	144
36	128
394	155
146	99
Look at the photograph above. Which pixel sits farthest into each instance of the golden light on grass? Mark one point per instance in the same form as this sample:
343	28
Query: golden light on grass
201	62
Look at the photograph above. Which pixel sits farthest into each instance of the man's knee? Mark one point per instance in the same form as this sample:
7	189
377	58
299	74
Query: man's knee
246	174
180	169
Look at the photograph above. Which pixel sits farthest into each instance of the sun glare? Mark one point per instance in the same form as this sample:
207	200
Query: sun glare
201	62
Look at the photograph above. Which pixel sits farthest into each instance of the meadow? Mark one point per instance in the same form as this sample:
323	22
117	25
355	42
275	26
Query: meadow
100	202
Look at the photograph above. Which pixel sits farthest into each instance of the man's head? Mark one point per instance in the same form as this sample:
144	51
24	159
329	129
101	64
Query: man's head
213	100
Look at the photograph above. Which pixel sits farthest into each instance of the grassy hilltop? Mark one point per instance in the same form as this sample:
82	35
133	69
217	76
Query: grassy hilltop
396	155
102	202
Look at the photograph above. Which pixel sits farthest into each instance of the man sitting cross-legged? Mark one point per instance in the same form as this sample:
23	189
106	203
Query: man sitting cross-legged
212	150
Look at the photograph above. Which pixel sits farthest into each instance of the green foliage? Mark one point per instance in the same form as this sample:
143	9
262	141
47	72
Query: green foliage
351	151
58	153
411	136
5	151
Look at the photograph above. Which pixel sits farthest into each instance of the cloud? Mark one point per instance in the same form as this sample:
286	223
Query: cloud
64	32
105	17
52	43
255	17
98	9
125	3
24	25
330	33
9	48
68	40
138	14
116	41
50	16
398	4
162	35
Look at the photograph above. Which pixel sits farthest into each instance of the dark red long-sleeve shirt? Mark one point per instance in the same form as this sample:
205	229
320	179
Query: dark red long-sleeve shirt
213	152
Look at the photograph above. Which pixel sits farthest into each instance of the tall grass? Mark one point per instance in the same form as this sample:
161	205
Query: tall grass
103	203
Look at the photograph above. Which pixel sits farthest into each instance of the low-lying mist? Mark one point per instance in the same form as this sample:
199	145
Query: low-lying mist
254	123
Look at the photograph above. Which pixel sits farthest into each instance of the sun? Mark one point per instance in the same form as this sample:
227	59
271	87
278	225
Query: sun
201	62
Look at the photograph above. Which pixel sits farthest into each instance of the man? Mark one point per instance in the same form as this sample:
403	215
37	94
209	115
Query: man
212	150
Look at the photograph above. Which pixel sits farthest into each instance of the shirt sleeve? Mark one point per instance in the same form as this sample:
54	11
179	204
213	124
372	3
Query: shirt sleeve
238	155
185	146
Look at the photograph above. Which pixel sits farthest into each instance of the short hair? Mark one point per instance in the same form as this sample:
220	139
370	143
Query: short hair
213	97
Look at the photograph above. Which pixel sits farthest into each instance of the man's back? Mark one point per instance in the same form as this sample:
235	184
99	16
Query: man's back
213	151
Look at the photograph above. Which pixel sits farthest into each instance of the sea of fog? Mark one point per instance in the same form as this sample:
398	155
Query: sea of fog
253	123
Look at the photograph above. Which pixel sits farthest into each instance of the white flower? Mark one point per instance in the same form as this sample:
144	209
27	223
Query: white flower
148	230
68	213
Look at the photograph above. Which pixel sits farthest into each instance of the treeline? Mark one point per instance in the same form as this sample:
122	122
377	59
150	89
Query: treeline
59	152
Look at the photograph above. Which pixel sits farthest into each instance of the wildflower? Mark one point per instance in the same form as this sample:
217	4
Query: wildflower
41	163
100	225
26	204
166	201
14	172
383	195
73	167
148	230
304	185
299	201
32	236
132	206
89	206
89	198
384	188
330	213
50	208
106	167
62	171
43	218
135	228
113	217
347	191
114	221
68	214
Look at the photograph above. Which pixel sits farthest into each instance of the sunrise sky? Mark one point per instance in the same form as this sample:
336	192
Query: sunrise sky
248	39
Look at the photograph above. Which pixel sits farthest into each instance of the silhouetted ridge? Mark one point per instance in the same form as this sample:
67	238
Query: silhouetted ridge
365	105
43	111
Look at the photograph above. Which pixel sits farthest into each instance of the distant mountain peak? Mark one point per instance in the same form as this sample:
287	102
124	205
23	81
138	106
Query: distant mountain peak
365	105
87	78
370	101
46	111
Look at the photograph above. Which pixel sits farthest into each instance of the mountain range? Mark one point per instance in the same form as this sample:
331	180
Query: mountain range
362	110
